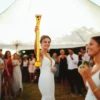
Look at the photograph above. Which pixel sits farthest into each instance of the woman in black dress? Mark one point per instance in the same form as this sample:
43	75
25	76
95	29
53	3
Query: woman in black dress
62	68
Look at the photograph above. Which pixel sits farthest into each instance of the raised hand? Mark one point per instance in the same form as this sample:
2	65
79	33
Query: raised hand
84	71
36	28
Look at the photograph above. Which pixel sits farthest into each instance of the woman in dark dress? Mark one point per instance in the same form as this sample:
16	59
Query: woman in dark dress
80	58
62	68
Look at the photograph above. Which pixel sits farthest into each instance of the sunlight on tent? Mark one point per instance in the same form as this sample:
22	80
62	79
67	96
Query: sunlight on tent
59	19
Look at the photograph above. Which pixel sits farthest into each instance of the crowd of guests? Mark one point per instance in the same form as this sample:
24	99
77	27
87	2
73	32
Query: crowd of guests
10	75
14	70
67	70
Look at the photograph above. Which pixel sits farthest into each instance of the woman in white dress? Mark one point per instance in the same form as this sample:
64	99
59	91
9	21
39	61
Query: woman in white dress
92	79
46	79
17	76
31	67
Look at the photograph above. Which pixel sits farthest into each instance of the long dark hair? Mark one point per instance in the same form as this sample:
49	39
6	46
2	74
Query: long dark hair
5	56
43	37
97	39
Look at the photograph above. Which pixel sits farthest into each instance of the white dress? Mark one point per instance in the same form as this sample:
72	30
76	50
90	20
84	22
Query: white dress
17	77
31	66
96	79
46	79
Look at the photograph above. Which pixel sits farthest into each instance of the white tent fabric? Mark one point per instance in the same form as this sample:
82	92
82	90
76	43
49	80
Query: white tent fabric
97	2
69	23
4	4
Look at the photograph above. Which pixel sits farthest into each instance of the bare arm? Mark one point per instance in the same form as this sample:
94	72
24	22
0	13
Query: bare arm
6	68
59	59
1	66
94	88
35	47
85	72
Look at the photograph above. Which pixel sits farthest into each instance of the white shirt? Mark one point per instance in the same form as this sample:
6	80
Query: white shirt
72	63
86	57
25	63
1	61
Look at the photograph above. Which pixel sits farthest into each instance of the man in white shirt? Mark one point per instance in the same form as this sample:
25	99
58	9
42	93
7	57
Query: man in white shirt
73	72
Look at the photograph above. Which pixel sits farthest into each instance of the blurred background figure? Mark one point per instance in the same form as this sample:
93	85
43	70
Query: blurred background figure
85	56
1	55
80	77
80	58
73	74
25	72
63	68
17	76
92	63
31	67
7	74
20	59
56	74
1	68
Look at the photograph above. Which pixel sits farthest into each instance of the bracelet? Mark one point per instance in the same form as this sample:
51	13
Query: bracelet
95	90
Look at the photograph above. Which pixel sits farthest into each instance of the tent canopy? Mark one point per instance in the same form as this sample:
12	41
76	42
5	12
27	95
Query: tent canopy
69	23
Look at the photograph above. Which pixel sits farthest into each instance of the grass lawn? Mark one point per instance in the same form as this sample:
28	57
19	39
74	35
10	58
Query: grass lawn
31	92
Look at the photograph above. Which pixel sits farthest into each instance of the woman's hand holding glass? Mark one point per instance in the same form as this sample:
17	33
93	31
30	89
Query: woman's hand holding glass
84	71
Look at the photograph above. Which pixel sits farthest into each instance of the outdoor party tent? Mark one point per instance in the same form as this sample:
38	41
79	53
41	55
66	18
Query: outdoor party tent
69	23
